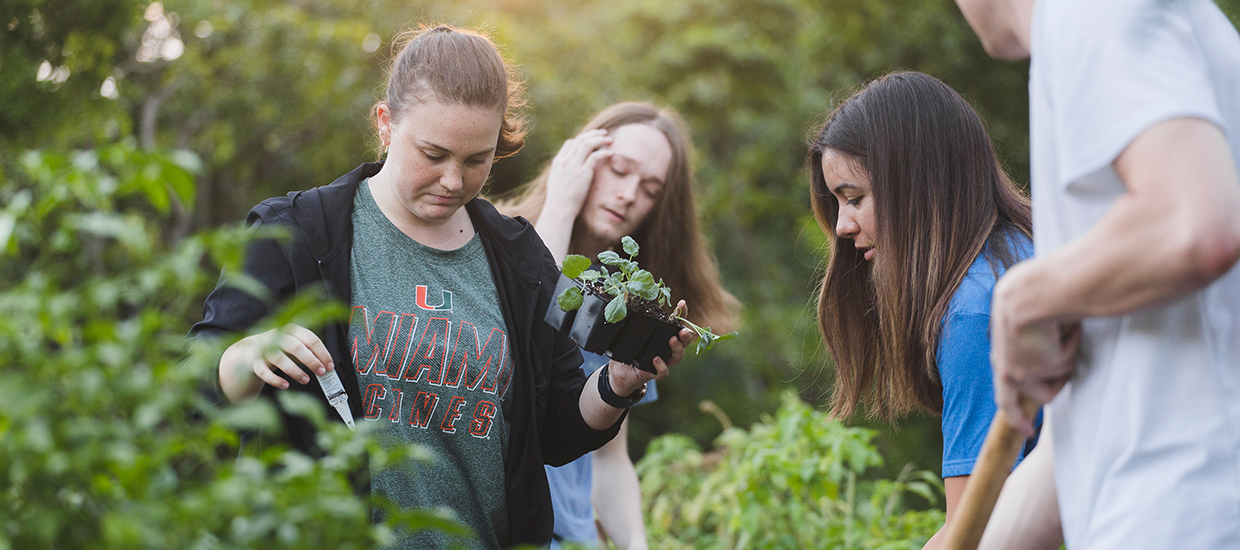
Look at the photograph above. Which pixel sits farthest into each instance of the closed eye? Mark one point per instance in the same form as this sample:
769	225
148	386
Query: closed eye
854	202
434	158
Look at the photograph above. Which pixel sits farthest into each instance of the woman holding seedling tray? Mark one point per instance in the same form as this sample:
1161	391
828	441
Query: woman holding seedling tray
626	173
445	346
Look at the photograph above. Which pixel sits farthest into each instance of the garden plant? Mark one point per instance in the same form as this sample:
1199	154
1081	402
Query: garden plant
796	479
629	287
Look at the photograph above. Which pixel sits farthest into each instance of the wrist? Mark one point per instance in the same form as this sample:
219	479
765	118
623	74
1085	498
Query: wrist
556	212
618	398
1020	296
236	380
624	386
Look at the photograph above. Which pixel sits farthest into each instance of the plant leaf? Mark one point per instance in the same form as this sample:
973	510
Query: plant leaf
610	257
642	284
590	275
570	299
630	246
705	341
616	310
574	265
614	284
628	266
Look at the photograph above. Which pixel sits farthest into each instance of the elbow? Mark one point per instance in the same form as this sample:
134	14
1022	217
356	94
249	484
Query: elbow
1213	251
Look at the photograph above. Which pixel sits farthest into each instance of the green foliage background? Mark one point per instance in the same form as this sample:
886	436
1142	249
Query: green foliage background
108	438
105	197
793	480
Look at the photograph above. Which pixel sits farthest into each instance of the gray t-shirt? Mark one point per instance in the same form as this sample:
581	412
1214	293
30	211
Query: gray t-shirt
429	342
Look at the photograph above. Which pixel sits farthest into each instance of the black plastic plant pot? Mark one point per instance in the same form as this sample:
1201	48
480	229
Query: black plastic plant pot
586	324
641	340
590	328
636	340
560	320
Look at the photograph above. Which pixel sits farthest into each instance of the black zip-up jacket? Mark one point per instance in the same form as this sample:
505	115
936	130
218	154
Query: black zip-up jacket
546	422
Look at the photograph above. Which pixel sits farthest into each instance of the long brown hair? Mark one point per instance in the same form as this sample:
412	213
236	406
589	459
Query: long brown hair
672	248
456	66
940	198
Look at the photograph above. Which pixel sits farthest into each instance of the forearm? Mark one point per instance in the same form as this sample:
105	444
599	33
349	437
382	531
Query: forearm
237	380
555	228
598	414
953	489
617	494
1173	231
1026	516
1130	260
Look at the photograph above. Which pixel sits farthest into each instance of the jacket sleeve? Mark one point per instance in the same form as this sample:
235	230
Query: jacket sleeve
565	435
231	310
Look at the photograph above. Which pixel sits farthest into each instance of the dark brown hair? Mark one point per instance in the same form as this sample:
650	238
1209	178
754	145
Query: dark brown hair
940	195
672	247
456	66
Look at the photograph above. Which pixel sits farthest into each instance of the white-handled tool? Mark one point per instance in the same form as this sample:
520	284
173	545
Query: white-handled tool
334	391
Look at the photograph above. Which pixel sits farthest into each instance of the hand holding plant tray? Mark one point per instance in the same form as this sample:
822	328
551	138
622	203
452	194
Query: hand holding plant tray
594	308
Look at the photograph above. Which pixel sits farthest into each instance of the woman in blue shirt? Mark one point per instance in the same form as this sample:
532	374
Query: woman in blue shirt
626	172
922	221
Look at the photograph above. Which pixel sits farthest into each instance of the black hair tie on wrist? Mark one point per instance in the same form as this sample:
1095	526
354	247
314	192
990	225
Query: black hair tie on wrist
609	395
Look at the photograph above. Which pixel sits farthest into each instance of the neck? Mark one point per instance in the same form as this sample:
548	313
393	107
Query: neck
588	245
449	234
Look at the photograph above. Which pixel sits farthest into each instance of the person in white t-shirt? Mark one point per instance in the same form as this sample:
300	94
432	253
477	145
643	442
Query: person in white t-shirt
1135	134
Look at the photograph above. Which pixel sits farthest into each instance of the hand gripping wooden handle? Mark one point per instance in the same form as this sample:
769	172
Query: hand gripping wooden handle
999	452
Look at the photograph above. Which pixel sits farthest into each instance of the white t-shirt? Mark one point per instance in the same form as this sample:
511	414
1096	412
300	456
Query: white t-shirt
1147	434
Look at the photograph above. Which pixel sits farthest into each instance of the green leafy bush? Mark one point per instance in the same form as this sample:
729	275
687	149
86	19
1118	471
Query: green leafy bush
108	437
795	480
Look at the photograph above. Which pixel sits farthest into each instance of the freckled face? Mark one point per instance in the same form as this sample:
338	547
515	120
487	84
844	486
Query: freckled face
440	155
850	184
628	185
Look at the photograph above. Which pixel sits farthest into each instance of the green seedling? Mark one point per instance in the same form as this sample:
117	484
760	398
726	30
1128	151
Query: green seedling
626	282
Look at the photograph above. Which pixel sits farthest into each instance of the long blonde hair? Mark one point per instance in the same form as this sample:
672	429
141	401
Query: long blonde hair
672	247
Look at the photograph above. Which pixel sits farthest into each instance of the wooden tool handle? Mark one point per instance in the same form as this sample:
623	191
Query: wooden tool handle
999	452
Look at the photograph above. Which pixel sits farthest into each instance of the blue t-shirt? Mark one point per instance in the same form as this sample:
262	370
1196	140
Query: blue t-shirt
964	362
572	483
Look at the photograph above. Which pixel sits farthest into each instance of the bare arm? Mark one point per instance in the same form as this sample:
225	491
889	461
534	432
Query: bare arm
626	379
1026	516
1172	233
617	496
953	489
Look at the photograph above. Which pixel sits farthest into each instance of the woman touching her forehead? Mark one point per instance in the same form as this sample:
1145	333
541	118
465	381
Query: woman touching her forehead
922	221
626	173
445	346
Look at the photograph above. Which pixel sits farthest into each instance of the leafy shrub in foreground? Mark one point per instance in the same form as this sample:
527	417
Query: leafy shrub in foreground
107	437
794	480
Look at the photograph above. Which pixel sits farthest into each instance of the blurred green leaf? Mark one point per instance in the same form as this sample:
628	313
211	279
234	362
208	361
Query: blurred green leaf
609	257
630	246
616	310
574	265
570	299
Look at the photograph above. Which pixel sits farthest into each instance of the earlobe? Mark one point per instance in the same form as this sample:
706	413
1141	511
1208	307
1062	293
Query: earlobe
383	121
